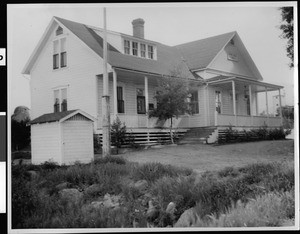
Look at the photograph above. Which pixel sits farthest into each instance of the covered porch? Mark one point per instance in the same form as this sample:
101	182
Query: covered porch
236	102
132	96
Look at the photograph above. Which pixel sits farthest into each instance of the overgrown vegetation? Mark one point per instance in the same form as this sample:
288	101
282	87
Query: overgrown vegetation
231	135
234	193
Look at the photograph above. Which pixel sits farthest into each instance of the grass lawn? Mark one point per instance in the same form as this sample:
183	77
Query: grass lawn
212	158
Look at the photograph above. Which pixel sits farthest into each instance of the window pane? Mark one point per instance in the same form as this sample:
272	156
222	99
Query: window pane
150	52
55	61
141	107
55	47
59	31
64	99
140	92
63	44
56	101
63	59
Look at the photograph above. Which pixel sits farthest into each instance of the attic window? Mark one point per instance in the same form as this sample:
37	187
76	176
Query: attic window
232	42
59	31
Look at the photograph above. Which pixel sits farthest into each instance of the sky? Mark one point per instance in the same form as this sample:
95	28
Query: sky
256	23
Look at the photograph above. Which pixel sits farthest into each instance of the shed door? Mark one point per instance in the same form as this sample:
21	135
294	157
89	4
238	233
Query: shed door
77	141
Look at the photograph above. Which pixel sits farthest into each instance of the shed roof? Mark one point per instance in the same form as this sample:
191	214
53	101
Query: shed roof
58	117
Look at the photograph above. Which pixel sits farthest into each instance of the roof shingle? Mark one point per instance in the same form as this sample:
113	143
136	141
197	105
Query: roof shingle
200	53
51	117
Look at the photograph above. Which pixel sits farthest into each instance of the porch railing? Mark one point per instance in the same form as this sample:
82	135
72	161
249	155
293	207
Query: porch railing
247	121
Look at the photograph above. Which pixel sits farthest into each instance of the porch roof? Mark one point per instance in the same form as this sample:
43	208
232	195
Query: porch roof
260	86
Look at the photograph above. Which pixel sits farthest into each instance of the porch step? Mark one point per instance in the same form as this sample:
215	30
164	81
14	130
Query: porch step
197	135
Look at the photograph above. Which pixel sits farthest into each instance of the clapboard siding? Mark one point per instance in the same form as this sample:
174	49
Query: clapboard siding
45	143
129	95
78	141
79	76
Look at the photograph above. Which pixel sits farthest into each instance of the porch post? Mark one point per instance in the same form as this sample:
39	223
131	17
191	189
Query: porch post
267	104
234	104
146	100
280	107
250	100
115	93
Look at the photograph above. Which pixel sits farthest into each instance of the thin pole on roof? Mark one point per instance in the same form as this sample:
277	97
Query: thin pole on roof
106	151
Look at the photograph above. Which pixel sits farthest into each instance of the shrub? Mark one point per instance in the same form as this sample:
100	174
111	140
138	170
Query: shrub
118	133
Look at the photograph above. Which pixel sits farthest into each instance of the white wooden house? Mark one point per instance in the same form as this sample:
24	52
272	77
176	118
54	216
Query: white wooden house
66	74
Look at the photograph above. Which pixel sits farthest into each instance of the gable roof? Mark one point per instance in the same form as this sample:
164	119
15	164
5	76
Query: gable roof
189	56
58	117
200	53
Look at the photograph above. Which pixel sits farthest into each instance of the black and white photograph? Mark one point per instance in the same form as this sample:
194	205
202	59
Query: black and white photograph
152	117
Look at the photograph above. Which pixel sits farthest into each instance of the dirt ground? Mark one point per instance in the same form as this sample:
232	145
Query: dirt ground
209	157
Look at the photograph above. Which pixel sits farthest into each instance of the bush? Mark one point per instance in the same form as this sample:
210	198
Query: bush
118	133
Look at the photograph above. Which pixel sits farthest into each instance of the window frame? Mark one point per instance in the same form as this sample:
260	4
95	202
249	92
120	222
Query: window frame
120	100
59	54
59	104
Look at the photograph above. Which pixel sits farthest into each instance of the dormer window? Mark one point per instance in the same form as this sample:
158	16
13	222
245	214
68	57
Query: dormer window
139	49
59	31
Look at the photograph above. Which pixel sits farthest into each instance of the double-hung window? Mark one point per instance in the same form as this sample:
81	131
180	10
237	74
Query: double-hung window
60	100
56	54
120	101
143	50
59	50
218	101
141	102
194	105
134	48
126	47
150	52
63	53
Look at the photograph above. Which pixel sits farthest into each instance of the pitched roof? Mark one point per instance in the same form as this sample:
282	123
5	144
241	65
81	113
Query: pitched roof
200	53
51	117
162	66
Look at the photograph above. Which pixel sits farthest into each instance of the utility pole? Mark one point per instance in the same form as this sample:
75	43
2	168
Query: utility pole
105	97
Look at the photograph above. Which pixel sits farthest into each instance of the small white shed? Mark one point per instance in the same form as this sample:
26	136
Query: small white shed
62	137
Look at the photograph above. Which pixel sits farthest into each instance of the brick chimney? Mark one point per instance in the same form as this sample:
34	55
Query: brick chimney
138	28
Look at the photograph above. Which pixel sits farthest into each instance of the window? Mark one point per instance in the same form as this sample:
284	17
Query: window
63	54
134	48
143	50
218	101
126	47
59	31
139	49
120	101
60	100
59	53
55	55
141	103
150	52
194	106
56	101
